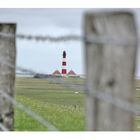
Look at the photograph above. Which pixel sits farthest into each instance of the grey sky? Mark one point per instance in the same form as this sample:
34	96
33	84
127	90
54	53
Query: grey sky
43	56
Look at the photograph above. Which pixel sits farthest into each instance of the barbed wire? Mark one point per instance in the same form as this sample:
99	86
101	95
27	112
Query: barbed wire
62	38
106	97
67	84
31	113
94	39
3	128
125	105
19	105
134	108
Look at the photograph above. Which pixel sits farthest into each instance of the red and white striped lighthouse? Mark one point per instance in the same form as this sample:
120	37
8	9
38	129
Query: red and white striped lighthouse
64	64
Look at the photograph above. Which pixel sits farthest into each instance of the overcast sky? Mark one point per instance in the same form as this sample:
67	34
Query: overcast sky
44	56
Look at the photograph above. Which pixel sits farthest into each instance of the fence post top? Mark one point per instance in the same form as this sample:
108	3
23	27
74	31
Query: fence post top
109	12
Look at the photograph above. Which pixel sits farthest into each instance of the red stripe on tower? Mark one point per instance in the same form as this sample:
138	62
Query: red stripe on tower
64	64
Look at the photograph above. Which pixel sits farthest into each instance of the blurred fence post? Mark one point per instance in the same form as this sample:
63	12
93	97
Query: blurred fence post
7	74
110	46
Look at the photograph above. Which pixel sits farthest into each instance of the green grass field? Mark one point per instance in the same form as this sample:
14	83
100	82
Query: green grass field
59	105
54	102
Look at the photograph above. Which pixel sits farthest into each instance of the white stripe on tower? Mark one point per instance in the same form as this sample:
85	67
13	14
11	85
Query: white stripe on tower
64	64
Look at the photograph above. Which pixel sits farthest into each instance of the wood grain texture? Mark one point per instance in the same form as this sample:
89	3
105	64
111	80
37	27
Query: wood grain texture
110	69
7	74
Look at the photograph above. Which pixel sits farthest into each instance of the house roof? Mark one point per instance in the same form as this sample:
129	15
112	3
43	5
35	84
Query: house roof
56	72
71	72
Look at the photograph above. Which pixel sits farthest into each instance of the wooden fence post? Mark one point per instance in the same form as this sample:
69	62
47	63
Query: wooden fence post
110	46
7	74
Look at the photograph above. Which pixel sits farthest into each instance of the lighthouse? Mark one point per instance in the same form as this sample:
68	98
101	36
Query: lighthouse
64	64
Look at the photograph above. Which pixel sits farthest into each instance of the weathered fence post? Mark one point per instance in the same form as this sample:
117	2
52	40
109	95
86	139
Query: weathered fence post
110	46
7	74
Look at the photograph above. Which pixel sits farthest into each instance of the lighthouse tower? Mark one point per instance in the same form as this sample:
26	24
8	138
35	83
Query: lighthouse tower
64	64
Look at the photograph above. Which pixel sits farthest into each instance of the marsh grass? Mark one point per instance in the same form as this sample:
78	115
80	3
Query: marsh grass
54	102
59	105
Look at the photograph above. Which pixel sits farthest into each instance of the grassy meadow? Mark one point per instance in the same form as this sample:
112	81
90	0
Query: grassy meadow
59	105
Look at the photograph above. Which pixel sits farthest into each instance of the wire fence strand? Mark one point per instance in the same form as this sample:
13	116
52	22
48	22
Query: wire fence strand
125	105
31	113
94	39
49	38
3	128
